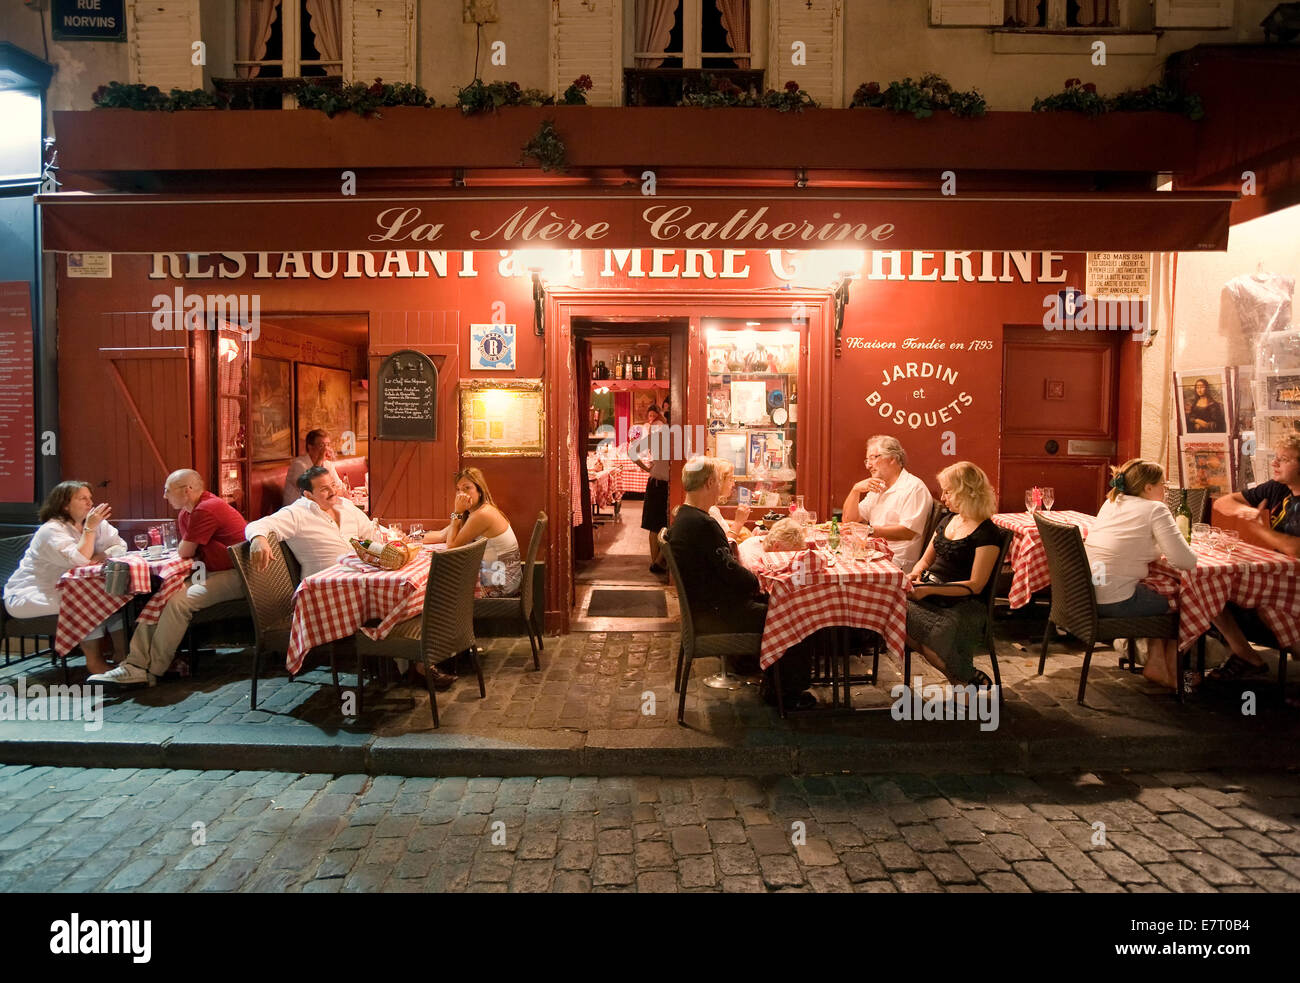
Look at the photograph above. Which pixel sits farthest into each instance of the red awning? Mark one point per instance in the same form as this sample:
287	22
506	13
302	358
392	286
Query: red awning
1060	221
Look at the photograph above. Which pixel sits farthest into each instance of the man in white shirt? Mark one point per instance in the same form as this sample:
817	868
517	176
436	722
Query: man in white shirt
317	456
897	503
316	528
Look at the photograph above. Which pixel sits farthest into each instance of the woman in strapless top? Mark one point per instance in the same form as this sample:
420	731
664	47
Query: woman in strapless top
475	516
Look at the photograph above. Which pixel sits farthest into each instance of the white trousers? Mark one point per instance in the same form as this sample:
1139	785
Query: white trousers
153	647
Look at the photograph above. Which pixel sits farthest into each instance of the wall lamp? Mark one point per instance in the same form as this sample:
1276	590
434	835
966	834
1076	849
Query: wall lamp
539	304
841	295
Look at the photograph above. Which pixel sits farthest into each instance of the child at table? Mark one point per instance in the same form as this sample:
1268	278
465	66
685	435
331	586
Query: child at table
1134	526
74	532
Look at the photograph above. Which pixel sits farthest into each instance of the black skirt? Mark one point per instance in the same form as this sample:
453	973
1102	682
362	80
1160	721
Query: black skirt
654	516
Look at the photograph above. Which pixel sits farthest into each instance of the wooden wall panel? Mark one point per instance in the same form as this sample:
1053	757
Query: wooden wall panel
125	409
412	480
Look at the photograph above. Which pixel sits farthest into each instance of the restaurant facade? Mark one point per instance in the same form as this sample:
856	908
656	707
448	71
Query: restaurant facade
809	279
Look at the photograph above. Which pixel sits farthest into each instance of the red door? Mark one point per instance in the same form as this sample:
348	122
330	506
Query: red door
1060	415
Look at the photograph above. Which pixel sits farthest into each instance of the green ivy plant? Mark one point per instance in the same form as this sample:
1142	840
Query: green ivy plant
121	95
1082	97
547	149
364	100
921	98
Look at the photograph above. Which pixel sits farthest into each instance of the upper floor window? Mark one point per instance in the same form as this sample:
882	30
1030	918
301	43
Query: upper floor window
288	38
692	34
1066	14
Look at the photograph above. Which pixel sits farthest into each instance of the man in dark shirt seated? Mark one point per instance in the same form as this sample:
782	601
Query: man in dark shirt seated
723	595
1275	505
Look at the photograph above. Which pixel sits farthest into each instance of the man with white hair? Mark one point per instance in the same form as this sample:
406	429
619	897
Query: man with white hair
207	525
896	505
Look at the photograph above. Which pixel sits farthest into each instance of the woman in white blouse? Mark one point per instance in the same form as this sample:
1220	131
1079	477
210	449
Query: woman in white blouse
1134	526
74	532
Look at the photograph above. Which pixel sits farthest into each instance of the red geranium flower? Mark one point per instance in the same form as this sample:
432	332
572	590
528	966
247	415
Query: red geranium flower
792	86
1071	83
1089	87
583	82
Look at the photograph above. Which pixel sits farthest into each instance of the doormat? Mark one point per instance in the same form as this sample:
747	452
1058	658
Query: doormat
627	604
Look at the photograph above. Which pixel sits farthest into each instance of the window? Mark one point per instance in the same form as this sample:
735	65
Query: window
289	38
692	34
1067	14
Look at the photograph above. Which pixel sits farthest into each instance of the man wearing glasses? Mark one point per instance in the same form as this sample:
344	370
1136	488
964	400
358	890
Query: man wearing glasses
1275	505
896	503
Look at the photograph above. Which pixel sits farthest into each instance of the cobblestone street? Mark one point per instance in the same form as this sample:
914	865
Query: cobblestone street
71	829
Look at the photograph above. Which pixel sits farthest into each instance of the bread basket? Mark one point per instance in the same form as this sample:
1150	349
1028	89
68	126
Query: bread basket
395	555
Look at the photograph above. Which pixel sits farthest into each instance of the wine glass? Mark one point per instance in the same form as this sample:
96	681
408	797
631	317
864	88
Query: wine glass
1201	532
417	531
141	541
1029	501
395	530
1049	498
1229	540
812	519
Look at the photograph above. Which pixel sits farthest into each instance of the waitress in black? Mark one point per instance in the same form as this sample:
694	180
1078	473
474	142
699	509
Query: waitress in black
655	449
945	618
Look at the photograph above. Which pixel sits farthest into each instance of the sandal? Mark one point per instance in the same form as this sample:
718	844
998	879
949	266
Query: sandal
980	680
1235	668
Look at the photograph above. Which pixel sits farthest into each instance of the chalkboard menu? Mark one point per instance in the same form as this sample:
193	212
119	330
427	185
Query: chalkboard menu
408	397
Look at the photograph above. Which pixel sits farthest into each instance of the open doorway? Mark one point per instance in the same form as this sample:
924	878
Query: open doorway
630	375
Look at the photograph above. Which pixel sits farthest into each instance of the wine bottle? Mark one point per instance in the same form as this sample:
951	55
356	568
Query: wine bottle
1183	516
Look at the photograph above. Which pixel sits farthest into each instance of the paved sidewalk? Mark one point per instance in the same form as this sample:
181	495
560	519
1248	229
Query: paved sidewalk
73	829
604	704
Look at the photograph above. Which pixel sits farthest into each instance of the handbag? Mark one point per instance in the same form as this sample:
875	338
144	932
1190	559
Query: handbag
942	600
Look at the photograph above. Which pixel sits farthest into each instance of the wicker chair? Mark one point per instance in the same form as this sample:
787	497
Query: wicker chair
931	523
694	646
270	595
446	627
1074	602
1198	501
987	596
524	607
12	550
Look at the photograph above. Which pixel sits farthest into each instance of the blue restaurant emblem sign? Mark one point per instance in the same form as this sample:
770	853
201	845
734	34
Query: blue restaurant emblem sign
492	346
88	20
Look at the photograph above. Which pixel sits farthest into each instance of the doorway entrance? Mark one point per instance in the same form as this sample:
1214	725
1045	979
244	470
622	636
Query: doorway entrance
1063	418
627	371
689	318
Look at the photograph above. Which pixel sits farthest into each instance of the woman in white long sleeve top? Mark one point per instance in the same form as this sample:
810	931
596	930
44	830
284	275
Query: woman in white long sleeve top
74	531
1134	526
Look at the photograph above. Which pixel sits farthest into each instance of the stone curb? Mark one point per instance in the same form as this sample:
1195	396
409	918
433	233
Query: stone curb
573	754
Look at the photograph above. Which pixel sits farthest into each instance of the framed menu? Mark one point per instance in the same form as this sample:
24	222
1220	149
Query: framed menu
407	407
502	419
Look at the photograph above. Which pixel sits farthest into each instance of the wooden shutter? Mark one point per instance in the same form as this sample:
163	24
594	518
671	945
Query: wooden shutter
160	36
379	40
586	38
821	29
967	13
1194	13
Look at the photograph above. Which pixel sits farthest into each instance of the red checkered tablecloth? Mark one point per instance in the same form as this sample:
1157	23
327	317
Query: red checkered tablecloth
84	604
1253	577
1027	557
336	602
632	479
806	594
605	490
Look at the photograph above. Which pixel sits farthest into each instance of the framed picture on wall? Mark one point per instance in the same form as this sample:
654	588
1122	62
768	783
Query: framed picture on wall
271	409
1204	401
324	402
